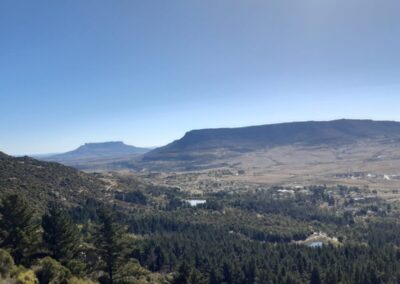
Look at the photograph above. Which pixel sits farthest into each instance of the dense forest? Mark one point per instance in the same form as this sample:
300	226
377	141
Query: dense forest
154	236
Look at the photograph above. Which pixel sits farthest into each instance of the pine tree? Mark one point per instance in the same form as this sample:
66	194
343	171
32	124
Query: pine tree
227	271
159	258
213	277
61	235
109	242
331	277
18	230
250	272
315	277
184	273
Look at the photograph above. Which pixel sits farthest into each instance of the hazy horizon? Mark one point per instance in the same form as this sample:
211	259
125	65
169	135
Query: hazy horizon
177	138
146	72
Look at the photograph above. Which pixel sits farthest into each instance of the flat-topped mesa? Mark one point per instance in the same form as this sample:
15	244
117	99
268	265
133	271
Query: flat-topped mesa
310	133
104	144
96	151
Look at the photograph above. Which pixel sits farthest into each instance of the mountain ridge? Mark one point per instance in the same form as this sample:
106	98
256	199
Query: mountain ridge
215	147
90	153
245	139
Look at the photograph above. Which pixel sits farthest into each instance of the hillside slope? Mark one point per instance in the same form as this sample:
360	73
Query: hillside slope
43	182
250	146
246	139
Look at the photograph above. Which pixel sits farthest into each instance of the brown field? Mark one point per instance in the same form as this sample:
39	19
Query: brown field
371	165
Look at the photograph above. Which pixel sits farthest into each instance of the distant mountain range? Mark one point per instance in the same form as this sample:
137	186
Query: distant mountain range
199	149
91	154
246	139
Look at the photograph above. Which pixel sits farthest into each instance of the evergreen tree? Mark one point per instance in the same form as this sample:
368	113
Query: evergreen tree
61	235
184	273
315	277
196	277
109	243
159	258
213	277
227	271
250	272
18	230
331	277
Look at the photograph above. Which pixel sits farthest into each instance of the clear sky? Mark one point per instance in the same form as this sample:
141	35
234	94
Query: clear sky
147	71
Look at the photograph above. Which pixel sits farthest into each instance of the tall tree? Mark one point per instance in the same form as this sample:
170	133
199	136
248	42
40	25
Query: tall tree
109	242
250	272
213	277
19	231
184	273
227	271
315	277
61	235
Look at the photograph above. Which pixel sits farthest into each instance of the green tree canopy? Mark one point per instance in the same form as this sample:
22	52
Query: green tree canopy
19	231
110	243
61	235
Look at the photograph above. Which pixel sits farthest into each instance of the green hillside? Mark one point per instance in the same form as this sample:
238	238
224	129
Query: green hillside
43	182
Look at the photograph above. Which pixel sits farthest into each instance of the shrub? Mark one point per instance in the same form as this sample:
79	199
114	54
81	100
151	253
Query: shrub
26	277
6	263
51	271
77	267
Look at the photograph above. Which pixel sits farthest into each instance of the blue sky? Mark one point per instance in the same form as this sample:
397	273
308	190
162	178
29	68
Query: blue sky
145	72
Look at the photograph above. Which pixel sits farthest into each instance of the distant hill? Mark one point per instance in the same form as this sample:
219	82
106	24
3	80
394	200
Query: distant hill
208	144
43	182
96	154
205	148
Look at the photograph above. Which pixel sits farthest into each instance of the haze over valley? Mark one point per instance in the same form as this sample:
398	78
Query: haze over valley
351	152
